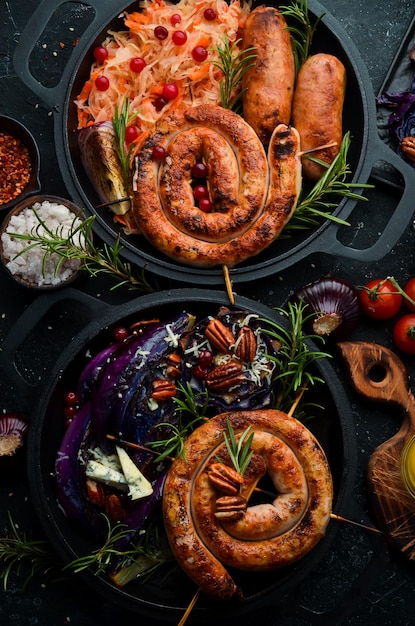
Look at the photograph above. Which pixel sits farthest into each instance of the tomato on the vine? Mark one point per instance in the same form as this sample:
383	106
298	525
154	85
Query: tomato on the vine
409	289
404	333
380	299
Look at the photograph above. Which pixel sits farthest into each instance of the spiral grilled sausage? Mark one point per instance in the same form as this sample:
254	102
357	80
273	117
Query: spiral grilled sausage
253	194
269	84
318	109
268	536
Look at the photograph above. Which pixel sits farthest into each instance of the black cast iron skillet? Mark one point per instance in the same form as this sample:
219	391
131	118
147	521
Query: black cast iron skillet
366	154
164	599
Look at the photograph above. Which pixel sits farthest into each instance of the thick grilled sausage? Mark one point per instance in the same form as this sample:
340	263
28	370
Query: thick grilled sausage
269	84
253	196
318	109
268	536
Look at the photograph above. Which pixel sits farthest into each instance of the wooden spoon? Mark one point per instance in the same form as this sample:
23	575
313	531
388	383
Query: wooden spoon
378	374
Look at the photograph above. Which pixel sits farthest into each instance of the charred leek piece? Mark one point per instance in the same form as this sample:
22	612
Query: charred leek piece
102	165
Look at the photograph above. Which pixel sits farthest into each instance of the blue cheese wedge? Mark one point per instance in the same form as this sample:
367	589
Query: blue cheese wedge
104	474
138	485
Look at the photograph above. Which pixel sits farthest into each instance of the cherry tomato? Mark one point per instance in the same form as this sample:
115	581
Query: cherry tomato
205	205
131	133
404	333
102	83
179	37
199	53
158	153
209	14
170	91
160	32
409	289
380	299
176	18
100	54
137	64
199	170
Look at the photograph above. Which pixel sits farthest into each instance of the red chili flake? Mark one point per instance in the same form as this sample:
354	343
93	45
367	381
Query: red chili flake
15	167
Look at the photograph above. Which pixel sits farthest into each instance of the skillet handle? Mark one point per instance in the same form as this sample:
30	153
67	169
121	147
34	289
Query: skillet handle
89	307
104	11
399	219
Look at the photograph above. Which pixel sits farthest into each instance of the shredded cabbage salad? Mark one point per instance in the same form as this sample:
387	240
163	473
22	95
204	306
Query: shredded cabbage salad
165	62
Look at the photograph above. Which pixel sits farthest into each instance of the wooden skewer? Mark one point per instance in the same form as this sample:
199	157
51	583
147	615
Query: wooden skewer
326	145
136	446
228	284
110	202
189	608
349	521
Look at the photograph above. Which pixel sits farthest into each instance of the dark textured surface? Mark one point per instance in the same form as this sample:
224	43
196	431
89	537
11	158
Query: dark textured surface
386	594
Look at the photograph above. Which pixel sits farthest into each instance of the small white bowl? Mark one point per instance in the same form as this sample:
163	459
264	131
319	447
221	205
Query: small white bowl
50	281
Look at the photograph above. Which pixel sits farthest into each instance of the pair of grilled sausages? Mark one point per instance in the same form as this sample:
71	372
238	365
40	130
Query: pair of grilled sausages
313	102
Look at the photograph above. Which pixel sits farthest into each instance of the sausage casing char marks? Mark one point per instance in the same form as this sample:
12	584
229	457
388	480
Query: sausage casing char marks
269	84
318	109
254	195
269	535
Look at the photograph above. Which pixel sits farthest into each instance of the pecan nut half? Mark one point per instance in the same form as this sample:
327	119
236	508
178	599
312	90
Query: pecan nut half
225	478
408	148
163	390
246	345
230	508
219	336
225	376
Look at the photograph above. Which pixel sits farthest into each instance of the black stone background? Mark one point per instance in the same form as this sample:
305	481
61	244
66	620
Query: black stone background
377	29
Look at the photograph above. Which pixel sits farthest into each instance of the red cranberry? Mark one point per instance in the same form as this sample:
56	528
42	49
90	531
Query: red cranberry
179	37
210	14
160	32
199	170
137	64
199	54
176	18
205	205
170	91
159	103
102	83
131	133
71	398
200	372
100	54
205	359
200	191
158	153
120	333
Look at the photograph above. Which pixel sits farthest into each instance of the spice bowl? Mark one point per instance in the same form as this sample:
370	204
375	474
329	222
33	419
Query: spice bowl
19	163
28	260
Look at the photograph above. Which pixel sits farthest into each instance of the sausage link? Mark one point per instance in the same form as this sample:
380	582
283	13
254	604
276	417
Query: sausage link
268	536
269	84
318	110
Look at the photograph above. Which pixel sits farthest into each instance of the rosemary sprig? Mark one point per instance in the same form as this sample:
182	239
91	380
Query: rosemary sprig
294	361
187	404
78	245
301	29
239	451
21	554
324	196
120	121
234	63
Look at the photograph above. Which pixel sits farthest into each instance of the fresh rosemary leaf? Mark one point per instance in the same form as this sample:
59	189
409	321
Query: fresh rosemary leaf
239	451
301	29
234	64
79	244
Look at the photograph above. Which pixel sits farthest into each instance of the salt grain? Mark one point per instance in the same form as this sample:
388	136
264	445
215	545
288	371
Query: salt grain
31	265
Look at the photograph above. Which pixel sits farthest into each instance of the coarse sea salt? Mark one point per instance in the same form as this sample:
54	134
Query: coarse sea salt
33	266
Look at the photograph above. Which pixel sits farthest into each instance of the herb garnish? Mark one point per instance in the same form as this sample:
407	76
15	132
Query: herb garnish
78	244
294	360
303	32
120	121
239	451
324	195
234	64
